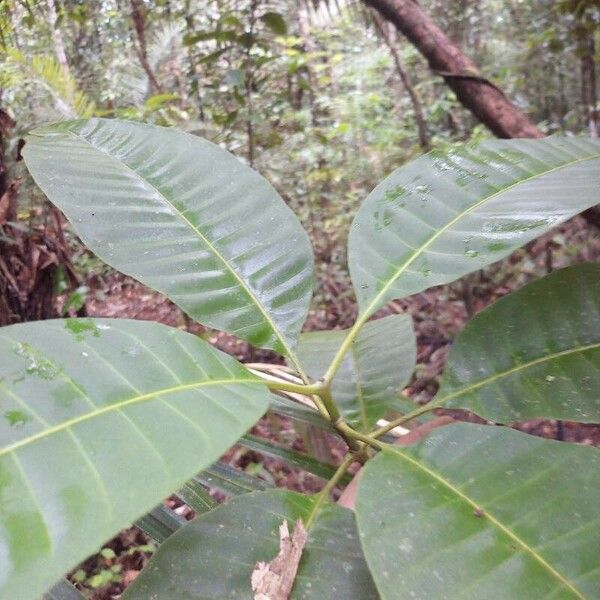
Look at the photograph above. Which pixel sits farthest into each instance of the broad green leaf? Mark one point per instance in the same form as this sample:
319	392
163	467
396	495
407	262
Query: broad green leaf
374	370
184	217
482	512
101	419
442	216
213	556
533	354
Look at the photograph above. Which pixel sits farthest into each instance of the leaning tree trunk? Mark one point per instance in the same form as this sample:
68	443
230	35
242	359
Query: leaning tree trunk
486	101
589	96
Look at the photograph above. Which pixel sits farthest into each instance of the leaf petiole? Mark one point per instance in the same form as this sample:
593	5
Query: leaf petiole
329	486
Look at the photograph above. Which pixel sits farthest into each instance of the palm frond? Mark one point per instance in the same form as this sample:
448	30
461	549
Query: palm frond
50	80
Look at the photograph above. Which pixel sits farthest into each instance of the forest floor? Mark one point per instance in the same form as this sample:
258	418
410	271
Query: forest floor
438	315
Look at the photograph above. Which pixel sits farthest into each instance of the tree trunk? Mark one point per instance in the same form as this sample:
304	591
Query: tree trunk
193	75
480	96
487	102
59	46
249	84
382	27
137	16
309	48
590	103
589	96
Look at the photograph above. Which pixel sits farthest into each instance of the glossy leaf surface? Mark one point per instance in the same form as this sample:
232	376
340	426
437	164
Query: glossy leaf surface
482	512
281	405
160	523
374	370
532	354
231	481
213	557
63	590
196	496
297	460
442	216
184	217
101	419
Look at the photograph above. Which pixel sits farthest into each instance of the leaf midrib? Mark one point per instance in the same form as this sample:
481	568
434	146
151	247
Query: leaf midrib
207	242
516	369
420	249
493	520
118	406
359	391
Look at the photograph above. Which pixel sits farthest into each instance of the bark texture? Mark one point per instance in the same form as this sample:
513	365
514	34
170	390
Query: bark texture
588	90
487	102
59	46
139	24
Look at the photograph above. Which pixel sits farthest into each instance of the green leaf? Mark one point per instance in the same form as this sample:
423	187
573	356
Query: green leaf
202	36
442	216
298	412
196	496
231	481
101	420
482	511
295	459
160	523
159	100
533	354
235	78
214	555
275	22
374	371
76	300
213	56
63	590
246	40
184	217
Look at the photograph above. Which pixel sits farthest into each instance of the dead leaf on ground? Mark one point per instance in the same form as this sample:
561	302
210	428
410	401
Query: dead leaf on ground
274	580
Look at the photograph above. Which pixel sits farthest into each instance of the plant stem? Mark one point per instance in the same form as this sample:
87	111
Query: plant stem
339	357
311	391
321	396
324	493
330	405
376	433
348	433
337	420
285	386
